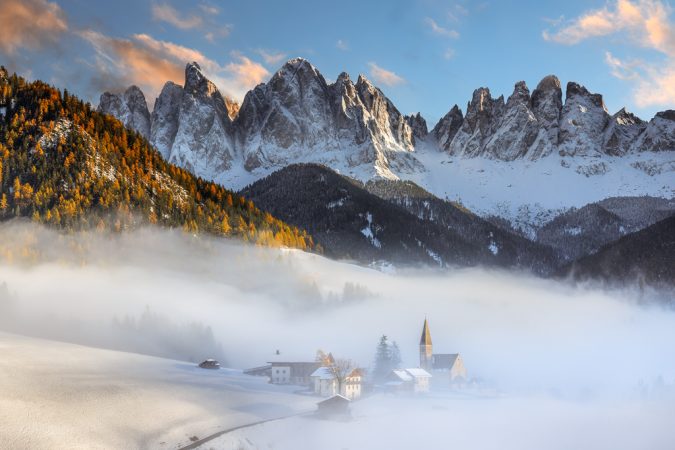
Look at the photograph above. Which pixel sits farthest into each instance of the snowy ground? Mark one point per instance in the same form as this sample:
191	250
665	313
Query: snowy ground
572	361
440	423
57	395
524	192
533	192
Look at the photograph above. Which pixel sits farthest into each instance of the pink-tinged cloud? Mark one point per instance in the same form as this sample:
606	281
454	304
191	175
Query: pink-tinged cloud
30	24
646	23
203	21
271	58
384	76
149	63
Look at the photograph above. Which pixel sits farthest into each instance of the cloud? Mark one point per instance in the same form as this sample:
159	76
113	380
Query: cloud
30	24
212	30
457	12
148	63
449	53
271	58
439	30
645	23
245	73
342	45
169	14
384	76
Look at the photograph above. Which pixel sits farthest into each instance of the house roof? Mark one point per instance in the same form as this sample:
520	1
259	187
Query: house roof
418	373
337	398
426	334
444	360
323	373
402	375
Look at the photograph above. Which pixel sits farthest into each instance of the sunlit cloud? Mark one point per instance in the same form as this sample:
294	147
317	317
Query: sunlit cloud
169	14
30	24
148	63
645	23
384	76
245	73
271	58
439	30
163	12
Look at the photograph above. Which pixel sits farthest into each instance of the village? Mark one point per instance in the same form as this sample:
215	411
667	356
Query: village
339	382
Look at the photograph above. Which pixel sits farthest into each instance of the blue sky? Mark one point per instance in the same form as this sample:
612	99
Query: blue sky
425	55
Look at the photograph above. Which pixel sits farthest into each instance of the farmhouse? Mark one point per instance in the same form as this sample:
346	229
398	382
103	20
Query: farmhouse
409	380
326	383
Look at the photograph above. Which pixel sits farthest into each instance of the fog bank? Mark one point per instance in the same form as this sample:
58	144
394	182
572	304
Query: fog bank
170	294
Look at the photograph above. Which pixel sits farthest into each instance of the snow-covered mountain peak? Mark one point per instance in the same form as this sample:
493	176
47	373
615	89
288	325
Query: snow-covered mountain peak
130	108
575	90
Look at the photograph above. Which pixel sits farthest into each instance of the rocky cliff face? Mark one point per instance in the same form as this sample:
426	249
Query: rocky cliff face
298	116
130	108
354	128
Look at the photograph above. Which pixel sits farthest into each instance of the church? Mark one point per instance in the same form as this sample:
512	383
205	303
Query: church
440	365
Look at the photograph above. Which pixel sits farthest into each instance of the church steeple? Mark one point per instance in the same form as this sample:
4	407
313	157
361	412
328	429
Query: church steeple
426	352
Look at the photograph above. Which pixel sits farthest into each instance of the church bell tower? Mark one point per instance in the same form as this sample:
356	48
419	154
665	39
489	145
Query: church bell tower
426	352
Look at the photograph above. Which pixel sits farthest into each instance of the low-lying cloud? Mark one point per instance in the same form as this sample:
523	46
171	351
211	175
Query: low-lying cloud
518	332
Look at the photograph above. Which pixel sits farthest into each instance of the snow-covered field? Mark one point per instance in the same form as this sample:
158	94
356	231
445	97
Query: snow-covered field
463	422
56	395
575	366
533	192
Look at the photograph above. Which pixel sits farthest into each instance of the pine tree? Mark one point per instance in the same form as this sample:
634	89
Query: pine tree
382	359
395	355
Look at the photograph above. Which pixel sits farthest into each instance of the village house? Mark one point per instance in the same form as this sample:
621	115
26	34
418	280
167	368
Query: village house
334	407
286	372
326	383
408	380
448	366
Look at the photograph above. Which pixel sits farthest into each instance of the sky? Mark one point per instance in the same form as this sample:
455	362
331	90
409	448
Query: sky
426	55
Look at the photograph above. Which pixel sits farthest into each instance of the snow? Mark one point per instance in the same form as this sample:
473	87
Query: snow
530	193
494	249
456	420
368	232
574	231
59	395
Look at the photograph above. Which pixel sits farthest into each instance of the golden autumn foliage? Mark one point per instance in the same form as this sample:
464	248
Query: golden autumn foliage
68	166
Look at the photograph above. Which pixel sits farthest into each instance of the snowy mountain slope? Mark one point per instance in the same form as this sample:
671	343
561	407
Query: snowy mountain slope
582	231
526	159
69	396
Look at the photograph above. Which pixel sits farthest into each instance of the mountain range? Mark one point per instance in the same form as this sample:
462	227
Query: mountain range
534	181
524	159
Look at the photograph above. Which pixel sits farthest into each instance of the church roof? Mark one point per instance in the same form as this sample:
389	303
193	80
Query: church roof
444	360
426	335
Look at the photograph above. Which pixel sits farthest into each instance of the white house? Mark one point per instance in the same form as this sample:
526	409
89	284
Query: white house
413	379
285	372
326	383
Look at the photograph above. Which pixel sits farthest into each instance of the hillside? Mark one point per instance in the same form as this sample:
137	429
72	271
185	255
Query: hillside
68	166
350	222
645	256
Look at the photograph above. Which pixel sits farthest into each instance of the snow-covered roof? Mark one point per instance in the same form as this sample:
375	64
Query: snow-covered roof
323	373
418	373
402	374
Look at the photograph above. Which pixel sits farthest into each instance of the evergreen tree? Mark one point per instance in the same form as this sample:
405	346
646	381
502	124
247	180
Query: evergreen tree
382	359
395	355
